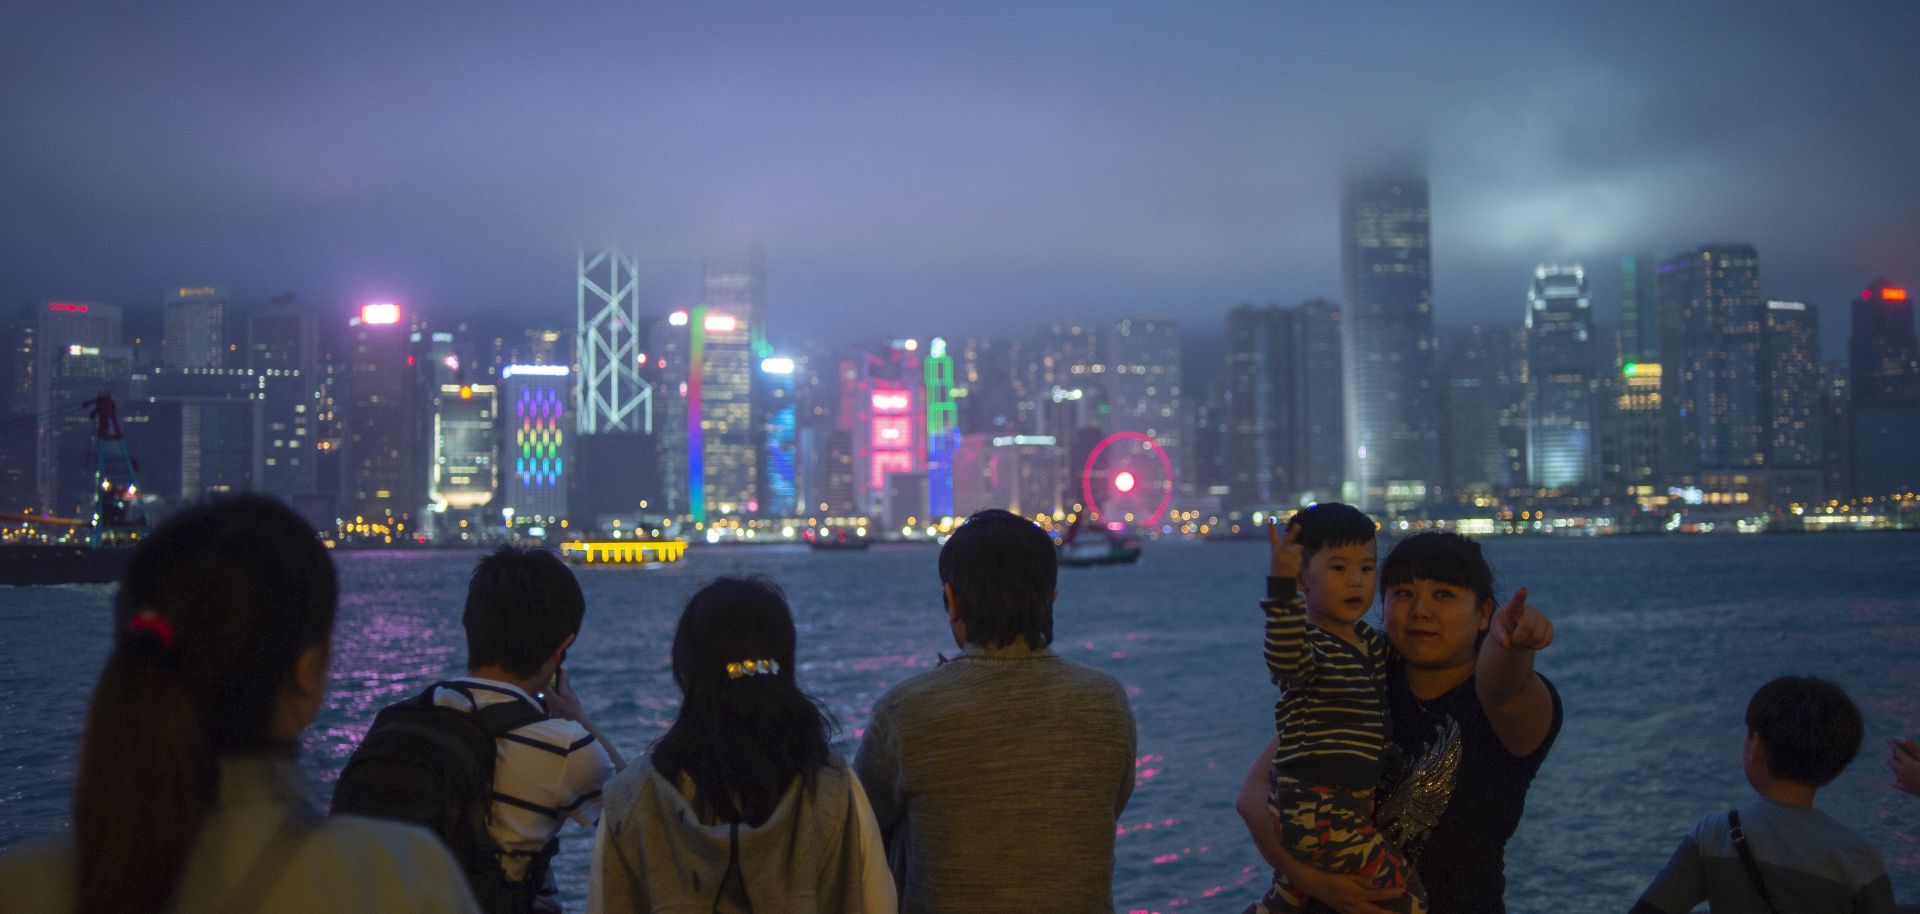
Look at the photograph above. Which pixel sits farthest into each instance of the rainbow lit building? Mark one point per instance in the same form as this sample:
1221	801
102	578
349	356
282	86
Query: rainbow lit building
539	425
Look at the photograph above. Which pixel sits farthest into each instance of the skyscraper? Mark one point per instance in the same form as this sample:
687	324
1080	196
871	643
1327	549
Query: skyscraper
1795	408
1640	308
1259	420
1884	365
77	355
1562	442
1143	385
1711	320
723	441
612	396
1387	343
1483	431
779	445
736	284
195	332
539	443
385	440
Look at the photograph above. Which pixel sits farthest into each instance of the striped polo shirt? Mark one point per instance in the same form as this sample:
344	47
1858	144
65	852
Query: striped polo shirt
1332	713
544	773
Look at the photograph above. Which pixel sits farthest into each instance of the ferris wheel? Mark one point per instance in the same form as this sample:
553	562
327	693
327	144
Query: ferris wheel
1128	479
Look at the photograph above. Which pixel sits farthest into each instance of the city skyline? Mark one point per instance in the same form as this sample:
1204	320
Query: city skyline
1077	162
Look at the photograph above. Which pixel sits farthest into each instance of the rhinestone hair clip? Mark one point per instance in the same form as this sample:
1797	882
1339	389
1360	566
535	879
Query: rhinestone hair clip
752	668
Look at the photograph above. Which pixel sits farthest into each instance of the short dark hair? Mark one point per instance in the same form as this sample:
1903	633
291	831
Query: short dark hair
1444	558
1330	524
521	604
1809	727
1003	571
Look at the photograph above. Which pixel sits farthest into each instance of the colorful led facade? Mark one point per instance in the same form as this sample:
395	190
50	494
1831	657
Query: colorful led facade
780	492
943	429
539	438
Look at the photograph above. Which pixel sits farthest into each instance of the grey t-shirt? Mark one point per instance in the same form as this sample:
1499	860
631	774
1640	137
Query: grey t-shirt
1810	863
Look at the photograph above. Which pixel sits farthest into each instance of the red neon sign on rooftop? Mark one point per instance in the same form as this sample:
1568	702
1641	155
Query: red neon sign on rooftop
67	306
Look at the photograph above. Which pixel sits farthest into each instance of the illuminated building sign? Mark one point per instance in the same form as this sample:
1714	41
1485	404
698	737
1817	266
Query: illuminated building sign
193	291
384	313
720	323
538	462
548	371
1892	294
72	307
677	319
776	365
890	403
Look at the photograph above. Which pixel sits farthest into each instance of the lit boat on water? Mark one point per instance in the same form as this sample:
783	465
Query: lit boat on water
1105	547
624	552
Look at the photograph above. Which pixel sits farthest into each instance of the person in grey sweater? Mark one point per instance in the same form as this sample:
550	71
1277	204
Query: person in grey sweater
998	777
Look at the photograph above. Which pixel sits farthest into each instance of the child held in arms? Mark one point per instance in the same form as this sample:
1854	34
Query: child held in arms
1332	713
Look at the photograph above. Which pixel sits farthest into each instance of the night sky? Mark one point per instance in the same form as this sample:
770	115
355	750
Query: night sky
914	167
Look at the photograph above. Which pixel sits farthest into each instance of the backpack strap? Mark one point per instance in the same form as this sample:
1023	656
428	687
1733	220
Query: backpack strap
1739	837
499	718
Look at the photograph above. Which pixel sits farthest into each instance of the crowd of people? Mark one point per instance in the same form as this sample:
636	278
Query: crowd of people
994	782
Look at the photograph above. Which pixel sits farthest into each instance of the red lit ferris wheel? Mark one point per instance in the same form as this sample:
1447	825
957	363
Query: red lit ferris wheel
1128	479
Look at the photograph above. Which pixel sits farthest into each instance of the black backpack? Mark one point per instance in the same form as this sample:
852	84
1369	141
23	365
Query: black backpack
433	766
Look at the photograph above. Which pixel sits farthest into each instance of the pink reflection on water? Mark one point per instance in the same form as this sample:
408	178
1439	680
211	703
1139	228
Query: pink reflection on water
1148	825
888	662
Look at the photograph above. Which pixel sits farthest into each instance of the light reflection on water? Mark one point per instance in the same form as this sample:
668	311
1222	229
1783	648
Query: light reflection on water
1661	641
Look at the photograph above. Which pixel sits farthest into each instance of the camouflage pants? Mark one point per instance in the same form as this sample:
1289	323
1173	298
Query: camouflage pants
1332	829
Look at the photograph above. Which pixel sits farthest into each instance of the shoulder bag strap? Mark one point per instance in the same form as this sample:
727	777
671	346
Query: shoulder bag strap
271	864
1752	866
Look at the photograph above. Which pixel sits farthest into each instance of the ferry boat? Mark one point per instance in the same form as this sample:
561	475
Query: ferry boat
1110	547
624	552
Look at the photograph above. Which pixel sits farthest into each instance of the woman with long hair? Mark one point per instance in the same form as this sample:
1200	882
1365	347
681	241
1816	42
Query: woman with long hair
188	797
743	806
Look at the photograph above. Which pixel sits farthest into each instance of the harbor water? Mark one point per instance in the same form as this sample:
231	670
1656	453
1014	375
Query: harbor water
1660	641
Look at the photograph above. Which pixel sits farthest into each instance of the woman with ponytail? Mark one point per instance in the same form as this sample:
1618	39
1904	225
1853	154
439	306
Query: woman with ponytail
743	806
188	797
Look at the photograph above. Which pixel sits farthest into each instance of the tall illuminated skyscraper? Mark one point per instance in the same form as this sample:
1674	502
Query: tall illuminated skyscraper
77	354
1143	385
736	285
1884	364
538	415
779	470
1711	322
1392	430
1795	407
722	439
612	395
1562	412
385	441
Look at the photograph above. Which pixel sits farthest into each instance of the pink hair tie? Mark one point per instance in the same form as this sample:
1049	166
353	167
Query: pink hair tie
149	621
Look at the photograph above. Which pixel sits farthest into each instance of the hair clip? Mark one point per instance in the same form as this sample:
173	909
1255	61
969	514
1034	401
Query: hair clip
149	621
752	668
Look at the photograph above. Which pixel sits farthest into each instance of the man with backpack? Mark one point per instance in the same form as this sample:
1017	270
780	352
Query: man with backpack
487	760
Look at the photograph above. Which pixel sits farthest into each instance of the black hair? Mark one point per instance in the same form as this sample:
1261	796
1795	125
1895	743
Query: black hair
1003	570
521	605
212	615
741	740
1444	558
1330	524
1809	727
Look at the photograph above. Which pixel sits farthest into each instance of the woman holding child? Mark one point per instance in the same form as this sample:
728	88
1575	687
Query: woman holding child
1470	718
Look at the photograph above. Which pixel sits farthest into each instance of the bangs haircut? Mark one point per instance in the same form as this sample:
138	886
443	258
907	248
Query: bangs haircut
1443	558
521	603
1003	570
1331	524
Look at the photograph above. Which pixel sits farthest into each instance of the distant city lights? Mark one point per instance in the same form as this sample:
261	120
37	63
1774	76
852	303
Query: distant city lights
720	323
382	313
1892	294
777	365
1123	481
677	319
890	402
73	307
546	371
